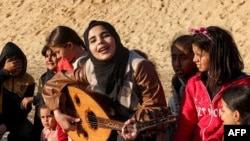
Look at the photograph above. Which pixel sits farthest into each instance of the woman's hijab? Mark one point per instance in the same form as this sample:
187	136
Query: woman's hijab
109	73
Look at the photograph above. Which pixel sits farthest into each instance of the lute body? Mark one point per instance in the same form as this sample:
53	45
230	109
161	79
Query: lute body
98	116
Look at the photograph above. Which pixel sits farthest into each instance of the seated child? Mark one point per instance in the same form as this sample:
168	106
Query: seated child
15	86
49	132
235	105
182	62
184	68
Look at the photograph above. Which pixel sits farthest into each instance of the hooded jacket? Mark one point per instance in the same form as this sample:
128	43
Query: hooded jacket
14	89
199	115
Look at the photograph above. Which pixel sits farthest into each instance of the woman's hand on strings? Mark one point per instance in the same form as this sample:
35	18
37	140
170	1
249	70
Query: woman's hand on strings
68	123
126	133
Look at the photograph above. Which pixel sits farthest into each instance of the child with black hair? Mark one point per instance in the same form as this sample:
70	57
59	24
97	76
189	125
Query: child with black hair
235	105
184	68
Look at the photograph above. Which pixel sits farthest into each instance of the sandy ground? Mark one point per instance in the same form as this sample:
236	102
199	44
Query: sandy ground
148	25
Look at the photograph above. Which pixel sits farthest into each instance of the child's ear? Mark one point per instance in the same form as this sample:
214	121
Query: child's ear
70	44
236	116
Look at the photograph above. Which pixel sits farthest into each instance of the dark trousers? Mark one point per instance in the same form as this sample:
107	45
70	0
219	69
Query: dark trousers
22	132
38	127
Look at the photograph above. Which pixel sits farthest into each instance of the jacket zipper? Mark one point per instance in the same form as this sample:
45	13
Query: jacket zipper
211	107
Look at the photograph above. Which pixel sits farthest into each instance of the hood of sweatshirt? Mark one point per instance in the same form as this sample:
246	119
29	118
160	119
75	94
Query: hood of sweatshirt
10	49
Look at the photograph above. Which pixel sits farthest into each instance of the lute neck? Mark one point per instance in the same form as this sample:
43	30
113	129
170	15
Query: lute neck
138	126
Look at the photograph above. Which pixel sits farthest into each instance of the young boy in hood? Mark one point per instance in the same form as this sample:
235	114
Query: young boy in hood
15	84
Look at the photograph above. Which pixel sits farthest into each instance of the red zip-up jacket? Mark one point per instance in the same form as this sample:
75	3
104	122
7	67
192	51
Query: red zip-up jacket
199	115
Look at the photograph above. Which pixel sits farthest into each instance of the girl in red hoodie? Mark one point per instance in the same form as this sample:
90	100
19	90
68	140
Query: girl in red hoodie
220	66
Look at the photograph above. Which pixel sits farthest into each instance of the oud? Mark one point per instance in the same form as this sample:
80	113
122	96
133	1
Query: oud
97	116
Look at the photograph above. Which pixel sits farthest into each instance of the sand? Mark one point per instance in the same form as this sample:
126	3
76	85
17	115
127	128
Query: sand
148	25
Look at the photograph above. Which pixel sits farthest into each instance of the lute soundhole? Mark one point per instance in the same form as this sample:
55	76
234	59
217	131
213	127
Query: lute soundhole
92	120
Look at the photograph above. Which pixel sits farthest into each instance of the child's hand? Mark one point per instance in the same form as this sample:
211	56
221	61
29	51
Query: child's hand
13	66
25	102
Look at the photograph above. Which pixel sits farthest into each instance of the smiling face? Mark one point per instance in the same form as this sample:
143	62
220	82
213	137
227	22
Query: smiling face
101	43
182	61
51	60
201	58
